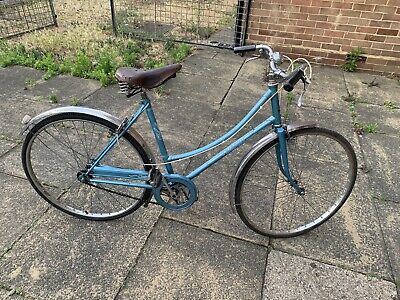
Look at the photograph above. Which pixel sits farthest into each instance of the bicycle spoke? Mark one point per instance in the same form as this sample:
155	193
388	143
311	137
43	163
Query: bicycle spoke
319	161
70	144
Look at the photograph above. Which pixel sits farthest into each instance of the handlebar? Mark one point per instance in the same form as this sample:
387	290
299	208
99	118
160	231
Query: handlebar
243	49
290	80
269	52
293	78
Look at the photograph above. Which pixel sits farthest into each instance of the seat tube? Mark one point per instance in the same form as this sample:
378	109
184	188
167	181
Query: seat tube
157	132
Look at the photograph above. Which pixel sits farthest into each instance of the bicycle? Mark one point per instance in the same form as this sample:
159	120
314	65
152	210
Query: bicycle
95	166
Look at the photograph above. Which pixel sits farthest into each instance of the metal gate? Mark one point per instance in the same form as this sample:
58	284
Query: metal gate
20	16
218	23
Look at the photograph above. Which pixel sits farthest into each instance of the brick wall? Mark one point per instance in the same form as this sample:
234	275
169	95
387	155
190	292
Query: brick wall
325	31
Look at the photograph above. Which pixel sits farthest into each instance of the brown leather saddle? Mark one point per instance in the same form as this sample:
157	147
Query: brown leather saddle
147	79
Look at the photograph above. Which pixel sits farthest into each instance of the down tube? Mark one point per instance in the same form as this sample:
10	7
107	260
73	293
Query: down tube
231	147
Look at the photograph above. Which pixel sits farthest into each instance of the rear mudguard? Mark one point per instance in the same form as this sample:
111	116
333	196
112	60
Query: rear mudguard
256	147
30	122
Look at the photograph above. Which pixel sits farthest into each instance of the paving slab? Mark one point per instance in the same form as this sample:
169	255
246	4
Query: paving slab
383	166
189	87
213	68
244	94
185	262
14	109
329	119
326	90
333	120
212	210
64	88
10	295
351	238
254	71
205	52
67	258
16	79
386	119
20	207
6	145
292	277
109	99
389	213
10	162
387	89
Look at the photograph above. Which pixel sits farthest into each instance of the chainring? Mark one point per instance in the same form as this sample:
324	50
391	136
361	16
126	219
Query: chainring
176	192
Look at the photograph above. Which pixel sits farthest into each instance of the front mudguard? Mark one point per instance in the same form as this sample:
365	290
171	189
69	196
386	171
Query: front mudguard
29	123
256	147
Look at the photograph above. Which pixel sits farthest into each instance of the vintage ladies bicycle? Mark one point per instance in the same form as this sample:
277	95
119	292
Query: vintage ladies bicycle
94	166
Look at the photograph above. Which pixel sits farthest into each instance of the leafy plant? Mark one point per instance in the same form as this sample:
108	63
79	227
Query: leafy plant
352	60
53	98
389	105
82	65
29	82
152	63
370	127
290	98
97	59
179	52
75	101
160	91
289	101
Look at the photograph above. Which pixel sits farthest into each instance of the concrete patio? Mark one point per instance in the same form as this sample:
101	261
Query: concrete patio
205	252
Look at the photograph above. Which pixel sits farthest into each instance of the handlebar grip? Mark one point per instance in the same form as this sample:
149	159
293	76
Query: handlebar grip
293	78
242	49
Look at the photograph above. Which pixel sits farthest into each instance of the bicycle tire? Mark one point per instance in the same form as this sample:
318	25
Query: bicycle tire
60	146
330	163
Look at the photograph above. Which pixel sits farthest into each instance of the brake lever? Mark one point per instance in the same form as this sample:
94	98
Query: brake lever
306	81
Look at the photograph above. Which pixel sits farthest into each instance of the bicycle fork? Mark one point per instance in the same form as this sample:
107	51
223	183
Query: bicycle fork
283	159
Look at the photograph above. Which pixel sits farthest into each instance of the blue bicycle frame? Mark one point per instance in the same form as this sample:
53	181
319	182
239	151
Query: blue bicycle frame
139	178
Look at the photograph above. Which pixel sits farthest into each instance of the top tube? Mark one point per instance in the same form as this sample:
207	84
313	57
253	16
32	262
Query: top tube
270	92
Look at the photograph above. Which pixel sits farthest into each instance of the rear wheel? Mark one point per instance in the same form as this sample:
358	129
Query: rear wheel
324	165
59	147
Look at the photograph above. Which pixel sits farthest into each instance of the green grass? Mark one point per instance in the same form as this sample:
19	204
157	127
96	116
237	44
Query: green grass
101	65
370	127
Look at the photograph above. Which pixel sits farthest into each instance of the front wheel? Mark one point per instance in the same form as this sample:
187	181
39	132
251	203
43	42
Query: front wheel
59	147
324	165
